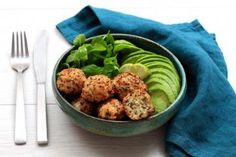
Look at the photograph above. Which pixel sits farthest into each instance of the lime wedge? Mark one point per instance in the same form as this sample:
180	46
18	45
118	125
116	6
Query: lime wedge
139	69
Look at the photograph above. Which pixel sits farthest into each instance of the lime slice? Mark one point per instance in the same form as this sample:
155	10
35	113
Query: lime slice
139	69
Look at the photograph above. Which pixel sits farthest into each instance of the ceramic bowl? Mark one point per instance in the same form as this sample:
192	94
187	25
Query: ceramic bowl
123	128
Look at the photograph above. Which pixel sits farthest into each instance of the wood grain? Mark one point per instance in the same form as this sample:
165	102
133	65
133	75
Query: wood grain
67	139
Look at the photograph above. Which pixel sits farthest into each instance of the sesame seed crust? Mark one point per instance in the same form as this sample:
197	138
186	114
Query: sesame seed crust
126	83
97	88
83	105
112	109
138	105
71	81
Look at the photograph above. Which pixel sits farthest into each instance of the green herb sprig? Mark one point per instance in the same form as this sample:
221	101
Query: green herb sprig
99	56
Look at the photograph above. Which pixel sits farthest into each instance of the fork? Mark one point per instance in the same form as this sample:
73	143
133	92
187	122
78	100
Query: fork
19	61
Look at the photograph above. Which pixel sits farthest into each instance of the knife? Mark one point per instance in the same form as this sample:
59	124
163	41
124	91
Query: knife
40	63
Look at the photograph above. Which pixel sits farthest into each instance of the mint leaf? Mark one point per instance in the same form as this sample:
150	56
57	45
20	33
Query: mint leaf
92	69
97	56
110	70
98	40
79	40
98	47
112	61
72	57
109	38
111	67
82	53
77	56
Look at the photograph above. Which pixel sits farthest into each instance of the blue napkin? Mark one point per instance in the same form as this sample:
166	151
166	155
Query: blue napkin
205	126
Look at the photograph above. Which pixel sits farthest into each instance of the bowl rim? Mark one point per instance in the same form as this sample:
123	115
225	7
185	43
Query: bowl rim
181	71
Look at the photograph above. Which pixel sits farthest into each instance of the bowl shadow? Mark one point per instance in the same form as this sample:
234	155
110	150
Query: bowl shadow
136	146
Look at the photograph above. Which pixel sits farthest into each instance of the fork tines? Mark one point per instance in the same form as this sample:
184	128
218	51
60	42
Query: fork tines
21	48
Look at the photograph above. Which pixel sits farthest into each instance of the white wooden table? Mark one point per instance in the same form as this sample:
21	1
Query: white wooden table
66	139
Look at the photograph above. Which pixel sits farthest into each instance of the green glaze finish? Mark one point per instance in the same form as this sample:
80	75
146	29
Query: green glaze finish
123	128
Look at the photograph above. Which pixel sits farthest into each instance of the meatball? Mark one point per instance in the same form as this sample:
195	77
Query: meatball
83	105
71	81
97	88
112	109
127	82
138	105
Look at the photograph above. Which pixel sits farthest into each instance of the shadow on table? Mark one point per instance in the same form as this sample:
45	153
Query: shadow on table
149	144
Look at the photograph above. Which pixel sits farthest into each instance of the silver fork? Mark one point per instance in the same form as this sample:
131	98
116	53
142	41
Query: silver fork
19	62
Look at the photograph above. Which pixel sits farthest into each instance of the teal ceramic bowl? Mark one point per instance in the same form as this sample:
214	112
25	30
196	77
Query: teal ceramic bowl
123	128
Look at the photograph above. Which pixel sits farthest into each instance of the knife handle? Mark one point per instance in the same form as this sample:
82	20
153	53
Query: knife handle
42	137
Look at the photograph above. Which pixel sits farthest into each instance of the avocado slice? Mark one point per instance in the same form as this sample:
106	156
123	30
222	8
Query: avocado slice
164	85
159	97
125	48
139	52
153	78
132	59
150	58
122	41
160	100
167	73
156	65
154	58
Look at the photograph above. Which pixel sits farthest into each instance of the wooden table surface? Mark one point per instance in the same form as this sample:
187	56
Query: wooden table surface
65	138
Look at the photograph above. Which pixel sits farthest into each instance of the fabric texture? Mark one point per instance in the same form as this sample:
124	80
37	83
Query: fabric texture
205	126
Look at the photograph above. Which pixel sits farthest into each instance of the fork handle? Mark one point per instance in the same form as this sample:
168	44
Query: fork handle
42	137
20	127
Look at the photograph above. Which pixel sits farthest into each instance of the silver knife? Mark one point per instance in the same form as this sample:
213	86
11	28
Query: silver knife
40	67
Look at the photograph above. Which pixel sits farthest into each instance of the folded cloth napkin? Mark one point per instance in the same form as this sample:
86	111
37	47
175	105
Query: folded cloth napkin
205	126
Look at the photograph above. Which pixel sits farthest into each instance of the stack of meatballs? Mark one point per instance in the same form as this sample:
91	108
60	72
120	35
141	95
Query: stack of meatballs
124	96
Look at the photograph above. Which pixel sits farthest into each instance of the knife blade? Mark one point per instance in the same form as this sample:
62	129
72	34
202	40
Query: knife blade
40	55
40	67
